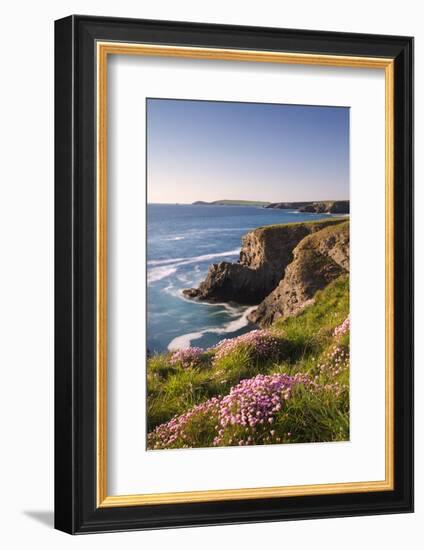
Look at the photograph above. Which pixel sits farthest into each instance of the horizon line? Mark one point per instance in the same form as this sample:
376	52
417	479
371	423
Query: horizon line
248	200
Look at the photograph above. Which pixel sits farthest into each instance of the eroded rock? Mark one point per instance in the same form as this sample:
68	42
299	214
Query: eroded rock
265	254
317	260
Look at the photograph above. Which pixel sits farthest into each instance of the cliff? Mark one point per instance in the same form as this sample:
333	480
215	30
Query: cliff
329	207
265	254
318	207
317	260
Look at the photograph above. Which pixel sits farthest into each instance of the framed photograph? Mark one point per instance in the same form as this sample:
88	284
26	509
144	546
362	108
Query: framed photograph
234	269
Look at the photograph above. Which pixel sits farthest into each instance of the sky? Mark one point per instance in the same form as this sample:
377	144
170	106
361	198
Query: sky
212	150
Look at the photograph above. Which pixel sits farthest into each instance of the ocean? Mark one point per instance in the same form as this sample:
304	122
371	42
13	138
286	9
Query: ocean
182	241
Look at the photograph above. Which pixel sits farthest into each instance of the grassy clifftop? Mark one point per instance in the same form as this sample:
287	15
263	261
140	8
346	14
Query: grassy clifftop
287	383
311	223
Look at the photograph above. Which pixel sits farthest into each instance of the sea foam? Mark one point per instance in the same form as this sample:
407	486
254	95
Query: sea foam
164	268
159	273
184	341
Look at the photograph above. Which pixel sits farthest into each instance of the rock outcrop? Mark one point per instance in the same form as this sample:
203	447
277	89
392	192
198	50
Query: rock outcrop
265	254
287	205
329	207
317	260
319	207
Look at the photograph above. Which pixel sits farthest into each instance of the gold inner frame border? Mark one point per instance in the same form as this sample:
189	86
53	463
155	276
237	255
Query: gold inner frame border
103	50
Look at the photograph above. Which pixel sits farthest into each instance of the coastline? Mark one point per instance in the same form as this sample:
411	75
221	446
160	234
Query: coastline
168	274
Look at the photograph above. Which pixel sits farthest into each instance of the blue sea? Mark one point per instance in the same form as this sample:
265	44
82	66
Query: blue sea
182	241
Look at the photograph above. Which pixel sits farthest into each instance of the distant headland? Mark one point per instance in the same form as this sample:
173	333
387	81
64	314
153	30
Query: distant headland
230	202
317	207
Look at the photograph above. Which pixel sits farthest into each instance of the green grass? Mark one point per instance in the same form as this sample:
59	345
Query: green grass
306	345
311	331
174	389
314	417
240	203
177	391
330	221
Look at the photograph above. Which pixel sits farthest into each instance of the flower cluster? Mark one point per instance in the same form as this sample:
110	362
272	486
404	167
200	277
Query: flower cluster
334	363
243	417
251	406
342	329
174	434
187	358
263	344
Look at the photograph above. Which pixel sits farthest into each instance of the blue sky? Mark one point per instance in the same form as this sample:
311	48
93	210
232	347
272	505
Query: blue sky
207	150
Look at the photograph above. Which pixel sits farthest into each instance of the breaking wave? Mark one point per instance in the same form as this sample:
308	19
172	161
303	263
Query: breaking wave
184	341
160	271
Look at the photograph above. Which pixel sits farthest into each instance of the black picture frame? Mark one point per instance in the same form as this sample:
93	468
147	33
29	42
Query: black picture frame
76	510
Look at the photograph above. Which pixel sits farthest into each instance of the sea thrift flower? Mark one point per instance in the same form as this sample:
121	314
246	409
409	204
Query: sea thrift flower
258	397
262	342
343	328
239	418
334	363
172	433
190	357
253	403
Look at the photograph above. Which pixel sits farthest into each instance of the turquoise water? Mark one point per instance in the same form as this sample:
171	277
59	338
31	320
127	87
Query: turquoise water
182	241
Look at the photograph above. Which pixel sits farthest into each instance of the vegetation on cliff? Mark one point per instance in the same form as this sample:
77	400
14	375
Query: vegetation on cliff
318	259
329	207
319	207
265	254
284	384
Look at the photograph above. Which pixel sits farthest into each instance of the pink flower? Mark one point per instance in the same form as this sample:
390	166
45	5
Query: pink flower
262	343
187	358
343	328
246	407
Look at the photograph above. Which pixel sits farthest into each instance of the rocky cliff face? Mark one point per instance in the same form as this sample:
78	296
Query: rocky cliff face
317	260
329	207
287	205
265	254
